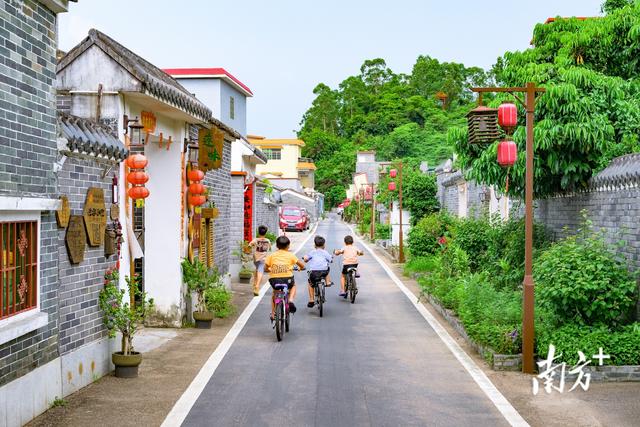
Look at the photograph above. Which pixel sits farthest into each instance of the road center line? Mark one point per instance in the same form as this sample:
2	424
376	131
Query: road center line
182	407
501	403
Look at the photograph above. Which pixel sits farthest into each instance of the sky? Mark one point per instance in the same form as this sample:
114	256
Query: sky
282	49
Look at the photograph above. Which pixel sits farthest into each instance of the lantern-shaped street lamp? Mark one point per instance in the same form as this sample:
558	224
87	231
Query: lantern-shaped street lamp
392	186
137	161
483	125
393	173
137	177
508	117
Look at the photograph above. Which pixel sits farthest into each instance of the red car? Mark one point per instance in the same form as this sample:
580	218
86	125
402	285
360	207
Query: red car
293	218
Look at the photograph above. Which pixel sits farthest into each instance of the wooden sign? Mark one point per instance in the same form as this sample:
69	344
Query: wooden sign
95	216
63	214
114	212
210	145
195	237
76	239
148	120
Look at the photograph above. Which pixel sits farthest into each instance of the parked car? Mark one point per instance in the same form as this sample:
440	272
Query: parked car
292	218
306	214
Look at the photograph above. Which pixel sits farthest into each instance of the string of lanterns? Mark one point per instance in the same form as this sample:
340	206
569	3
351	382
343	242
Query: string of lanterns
196	189
137	176
507	149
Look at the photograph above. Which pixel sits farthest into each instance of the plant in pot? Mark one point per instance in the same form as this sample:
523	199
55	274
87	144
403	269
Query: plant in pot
218	300
121	316
198	279
210	211
244	253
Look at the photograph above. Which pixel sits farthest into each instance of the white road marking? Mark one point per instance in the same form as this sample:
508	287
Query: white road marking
501	403
182	407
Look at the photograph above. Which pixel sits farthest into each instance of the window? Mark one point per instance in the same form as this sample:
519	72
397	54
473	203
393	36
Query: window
232	108
18	267
272	153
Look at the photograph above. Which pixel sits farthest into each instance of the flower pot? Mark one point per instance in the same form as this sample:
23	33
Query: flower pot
203	319
245	275
210	213
126	366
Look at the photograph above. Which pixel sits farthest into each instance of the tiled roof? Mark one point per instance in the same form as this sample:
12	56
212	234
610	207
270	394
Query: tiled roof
623	171
264	142
155	81
210	73
87	137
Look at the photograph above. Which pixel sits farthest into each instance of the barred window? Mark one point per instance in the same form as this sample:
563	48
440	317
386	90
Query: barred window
272	153
232	108
18	267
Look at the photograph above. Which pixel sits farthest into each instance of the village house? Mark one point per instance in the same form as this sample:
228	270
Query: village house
156	116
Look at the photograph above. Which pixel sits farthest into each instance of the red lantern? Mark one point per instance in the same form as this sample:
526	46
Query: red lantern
197	199
195	175
508	117
507	153
196	188
392	186
136	161
137	178
393	173
138	192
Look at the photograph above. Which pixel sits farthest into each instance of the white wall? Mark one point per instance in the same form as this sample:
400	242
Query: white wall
206	90
395	225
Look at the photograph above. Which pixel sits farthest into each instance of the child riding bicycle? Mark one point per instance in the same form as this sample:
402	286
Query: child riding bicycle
350	260
318	261
280	265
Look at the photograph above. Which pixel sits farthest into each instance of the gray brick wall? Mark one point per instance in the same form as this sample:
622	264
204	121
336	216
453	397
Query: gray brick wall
449	197
27	154
80	284
265	213
27	101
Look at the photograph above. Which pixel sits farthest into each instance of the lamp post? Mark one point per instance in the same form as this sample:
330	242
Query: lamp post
392	174
373	212
528	331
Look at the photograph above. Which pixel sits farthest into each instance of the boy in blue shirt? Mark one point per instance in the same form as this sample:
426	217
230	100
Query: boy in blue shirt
318	265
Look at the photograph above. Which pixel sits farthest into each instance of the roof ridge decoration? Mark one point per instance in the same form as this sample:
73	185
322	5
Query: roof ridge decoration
154	81
622	172
84	136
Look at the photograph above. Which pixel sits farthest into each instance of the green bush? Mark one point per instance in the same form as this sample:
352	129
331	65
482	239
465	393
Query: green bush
581	281
218	301
472	235
422	264
623	345
423	237
383	231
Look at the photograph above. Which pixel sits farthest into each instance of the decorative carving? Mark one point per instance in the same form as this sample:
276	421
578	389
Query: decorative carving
62	214
95	216
76	239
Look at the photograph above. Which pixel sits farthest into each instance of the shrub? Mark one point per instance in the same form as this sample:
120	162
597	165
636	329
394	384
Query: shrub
622	345
422	264
423	237
472	235
582	281
383	231
218	301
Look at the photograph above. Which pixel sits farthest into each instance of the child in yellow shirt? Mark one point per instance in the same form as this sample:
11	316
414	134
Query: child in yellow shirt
280	265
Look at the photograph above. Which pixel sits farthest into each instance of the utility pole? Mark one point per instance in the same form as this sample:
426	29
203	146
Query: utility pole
373	212
400	238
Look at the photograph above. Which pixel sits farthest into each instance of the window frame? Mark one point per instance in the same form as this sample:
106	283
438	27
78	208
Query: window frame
269	152
232	108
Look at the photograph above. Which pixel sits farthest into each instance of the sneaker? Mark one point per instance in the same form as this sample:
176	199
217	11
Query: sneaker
255	294
343	294
357	275
292	308
328	285
310	304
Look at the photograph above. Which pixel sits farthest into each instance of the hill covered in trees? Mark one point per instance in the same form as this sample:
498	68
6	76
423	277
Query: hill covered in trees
397	115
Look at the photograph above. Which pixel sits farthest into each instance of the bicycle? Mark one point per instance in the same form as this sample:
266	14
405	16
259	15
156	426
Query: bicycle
281	318
319	287
350	286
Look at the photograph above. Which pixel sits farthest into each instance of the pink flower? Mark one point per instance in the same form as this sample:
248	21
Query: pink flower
442	240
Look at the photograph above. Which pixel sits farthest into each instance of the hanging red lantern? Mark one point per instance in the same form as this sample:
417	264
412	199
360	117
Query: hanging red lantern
137	177
507	153
195	175
508	117
197	199
138	192
196	188
137	161
392	186
393	173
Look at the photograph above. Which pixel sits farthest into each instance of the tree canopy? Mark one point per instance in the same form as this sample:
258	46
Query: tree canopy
397	115
590	112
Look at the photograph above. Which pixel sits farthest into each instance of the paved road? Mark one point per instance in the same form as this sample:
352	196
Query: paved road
376	362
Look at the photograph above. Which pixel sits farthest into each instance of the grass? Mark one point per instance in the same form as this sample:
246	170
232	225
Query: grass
421	264
57	402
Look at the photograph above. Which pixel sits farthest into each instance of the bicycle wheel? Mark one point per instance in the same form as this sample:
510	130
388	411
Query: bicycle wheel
286	321
320	296
279	321
352	288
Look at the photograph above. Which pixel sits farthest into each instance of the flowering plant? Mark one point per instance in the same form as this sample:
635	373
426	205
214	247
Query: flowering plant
119	314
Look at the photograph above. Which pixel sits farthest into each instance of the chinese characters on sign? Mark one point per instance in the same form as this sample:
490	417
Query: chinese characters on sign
210	146
549	370
248	212
148	120
76	239
95	216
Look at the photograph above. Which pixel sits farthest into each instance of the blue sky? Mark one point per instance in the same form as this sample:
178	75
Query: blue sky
282	48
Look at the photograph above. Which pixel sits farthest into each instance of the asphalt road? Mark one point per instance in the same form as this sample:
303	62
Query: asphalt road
376	362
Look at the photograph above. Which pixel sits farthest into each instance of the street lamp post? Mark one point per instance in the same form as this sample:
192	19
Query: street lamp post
528	331
392	174
373	212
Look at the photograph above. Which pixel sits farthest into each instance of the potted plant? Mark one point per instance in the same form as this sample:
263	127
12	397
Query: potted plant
218	300
198	279
210	211
244	253
121	316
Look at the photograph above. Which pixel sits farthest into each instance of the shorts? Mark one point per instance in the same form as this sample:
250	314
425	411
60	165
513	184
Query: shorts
316	275
274	281
259	266
345	267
